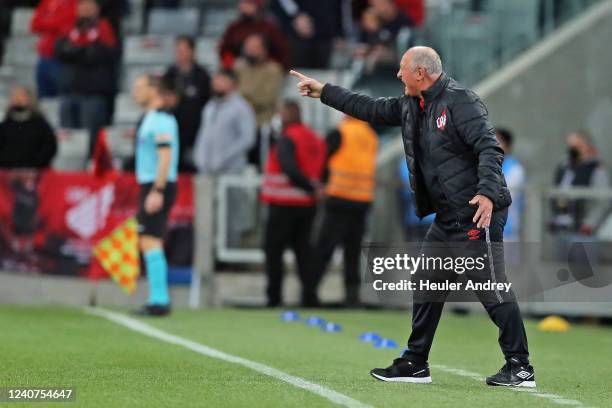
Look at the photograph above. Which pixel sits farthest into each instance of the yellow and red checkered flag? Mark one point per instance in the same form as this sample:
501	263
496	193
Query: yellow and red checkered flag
118	254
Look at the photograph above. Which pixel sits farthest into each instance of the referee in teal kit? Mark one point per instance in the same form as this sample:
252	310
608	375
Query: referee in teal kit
157	149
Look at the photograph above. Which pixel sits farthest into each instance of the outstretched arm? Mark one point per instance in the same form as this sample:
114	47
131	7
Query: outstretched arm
382	111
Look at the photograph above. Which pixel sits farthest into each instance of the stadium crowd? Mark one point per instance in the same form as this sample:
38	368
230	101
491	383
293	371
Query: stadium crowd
226	116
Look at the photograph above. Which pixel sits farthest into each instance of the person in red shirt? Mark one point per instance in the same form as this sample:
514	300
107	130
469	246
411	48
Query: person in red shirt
50	18
252	21
290	189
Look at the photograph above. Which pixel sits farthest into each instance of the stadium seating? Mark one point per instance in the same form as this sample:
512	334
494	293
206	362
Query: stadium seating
51	109
133	22
472	45
217	20
148	50
20	21
207	54
72	147
179	21
7	78
21	51
468	48
127	112
517	26
134	71
120	140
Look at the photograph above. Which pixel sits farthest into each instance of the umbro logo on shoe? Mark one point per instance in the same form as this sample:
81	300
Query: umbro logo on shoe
524	374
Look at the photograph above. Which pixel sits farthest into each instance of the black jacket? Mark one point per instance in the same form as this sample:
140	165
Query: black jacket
26	144
194	91
87	70
468	158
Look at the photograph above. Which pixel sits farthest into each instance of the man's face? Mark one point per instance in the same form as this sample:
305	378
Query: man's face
88	9
576	141
247	8
183	53
410	79
20	98
254	47
382	6
141	91
222	84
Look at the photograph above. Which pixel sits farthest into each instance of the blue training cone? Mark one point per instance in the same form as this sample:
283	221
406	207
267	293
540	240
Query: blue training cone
369	337
314	321
385	343
290	316
331	327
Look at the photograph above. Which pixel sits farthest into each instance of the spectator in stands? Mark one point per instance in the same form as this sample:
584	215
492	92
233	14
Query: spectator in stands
583	168
380	27
87	52
413	9
114	11
227	131
312	27
50	18
260	81
514	172
414	227
225	137
26	138
290	188
192	83
253	20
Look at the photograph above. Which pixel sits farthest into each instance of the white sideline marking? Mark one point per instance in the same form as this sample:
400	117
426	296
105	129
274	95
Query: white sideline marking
151	331
558	399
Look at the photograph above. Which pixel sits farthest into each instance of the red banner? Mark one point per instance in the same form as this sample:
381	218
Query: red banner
50	221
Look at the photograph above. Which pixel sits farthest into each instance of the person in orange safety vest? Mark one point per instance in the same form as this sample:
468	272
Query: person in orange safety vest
351	168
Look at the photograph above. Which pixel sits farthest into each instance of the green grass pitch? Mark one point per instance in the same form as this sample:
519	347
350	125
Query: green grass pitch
111	366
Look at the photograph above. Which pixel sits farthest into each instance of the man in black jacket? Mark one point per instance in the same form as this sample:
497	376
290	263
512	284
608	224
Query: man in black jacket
87	52
26	138
455	172
192	83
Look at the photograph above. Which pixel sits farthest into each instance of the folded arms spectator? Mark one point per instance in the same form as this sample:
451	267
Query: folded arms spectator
87	52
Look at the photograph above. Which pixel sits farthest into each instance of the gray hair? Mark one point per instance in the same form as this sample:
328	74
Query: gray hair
426	58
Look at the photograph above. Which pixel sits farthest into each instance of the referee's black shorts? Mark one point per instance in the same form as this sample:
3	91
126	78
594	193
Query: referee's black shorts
154	224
